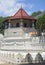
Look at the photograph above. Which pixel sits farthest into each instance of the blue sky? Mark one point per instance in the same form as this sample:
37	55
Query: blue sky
10	7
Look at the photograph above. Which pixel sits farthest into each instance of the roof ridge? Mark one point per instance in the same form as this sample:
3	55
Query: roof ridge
22	10
21	13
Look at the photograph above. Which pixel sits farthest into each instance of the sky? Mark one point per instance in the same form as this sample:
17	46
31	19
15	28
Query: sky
10	7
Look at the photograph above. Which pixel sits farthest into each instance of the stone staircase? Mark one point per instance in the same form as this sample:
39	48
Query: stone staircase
14	32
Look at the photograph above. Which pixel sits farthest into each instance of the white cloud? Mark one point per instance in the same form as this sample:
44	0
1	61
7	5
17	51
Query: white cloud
6	5
30	6
10	7
41	10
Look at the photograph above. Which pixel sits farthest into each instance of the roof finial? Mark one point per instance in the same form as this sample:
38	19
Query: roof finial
21	4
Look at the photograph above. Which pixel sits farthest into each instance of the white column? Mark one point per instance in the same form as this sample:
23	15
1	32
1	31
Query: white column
21	24
9	23
33	24
5	25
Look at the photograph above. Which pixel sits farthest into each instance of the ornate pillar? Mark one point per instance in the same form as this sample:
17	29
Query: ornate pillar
21	24
33	23
9	24
5	25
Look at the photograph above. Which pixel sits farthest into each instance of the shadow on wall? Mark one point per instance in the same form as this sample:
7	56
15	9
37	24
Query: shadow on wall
29	59
34	64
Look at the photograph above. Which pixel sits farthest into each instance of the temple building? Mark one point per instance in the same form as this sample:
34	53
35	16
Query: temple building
20	19
20	42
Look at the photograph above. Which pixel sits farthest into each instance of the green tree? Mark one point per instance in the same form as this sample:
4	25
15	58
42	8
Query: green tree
2	19
36	13
41	23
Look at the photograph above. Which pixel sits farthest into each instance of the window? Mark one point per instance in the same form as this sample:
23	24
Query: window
17	24
25	24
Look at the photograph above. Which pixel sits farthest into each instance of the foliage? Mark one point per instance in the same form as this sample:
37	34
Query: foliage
2	19
41	23
36	13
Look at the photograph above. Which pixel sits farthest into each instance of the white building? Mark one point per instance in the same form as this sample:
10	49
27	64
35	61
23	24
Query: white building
20	42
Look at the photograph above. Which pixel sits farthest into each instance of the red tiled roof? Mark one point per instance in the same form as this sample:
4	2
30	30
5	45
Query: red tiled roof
21	14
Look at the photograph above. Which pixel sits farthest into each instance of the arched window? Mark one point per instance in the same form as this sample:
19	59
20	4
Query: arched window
38	58
17	25
28	58
25	24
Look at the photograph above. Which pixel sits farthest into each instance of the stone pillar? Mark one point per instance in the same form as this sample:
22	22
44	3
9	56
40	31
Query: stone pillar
33	24
21	24
5	25
9	24
9	55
